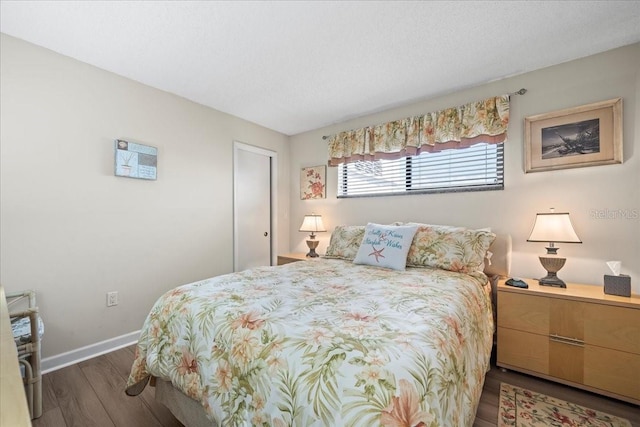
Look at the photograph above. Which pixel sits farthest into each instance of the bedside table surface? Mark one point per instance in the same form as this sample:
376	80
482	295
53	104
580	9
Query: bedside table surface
573	291
295	255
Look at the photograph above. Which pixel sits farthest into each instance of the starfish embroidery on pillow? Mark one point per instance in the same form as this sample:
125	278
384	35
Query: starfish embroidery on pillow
377	253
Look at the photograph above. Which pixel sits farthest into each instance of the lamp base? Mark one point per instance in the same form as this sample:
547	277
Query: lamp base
552	264
552	279
313	244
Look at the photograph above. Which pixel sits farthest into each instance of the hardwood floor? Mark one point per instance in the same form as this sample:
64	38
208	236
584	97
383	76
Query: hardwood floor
91	393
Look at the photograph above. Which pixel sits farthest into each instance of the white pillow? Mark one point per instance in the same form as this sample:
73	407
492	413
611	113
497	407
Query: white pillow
385	245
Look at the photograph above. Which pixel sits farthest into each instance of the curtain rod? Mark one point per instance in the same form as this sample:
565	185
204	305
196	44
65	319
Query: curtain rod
518	92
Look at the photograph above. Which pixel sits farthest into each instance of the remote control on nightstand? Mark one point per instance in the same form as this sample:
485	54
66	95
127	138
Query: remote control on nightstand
518	283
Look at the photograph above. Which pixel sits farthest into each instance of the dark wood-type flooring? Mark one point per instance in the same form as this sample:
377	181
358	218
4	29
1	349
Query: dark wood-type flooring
91	394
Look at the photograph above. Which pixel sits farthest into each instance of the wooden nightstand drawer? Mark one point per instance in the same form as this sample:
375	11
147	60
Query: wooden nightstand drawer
524	312
612	327
613	371
518	348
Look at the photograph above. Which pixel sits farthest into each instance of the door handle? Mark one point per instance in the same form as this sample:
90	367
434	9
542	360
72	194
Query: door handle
266	234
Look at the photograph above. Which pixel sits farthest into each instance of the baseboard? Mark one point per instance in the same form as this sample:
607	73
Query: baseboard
63	360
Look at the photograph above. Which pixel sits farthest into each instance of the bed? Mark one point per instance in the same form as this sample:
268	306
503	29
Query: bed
331	341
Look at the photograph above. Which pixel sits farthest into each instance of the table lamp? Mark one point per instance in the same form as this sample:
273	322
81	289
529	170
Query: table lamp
554	228
312	223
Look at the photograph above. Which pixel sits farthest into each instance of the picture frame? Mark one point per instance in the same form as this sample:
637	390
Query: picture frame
133	160
313	183
588	135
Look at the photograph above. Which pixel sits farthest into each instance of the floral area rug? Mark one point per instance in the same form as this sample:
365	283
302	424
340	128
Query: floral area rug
524	408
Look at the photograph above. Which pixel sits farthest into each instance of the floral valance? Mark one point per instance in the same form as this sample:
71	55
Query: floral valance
456	127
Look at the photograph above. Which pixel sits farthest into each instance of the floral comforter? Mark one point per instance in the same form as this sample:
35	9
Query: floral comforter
323	343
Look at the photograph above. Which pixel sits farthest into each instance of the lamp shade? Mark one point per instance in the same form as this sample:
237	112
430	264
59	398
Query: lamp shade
312	223
553	227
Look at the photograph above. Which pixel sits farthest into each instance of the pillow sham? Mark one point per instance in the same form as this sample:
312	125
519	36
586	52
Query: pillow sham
449	248
385	246
345	242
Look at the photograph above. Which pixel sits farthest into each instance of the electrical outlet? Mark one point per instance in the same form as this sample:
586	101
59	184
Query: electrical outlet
112	298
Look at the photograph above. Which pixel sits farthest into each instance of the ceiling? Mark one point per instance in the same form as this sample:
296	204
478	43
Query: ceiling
295	66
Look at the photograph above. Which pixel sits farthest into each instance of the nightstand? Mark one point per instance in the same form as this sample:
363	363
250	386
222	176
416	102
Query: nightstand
292	257
577	336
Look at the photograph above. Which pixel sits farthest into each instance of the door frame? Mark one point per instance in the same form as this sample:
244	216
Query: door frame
237	145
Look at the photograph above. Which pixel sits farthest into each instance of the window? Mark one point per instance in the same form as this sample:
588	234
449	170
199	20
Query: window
477	168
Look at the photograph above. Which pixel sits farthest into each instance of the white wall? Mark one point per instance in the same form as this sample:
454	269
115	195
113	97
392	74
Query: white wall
579	191
72	231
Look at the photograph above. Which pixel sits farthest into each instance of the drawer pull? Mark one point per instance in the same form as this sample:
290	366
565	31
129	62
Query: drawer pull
566	340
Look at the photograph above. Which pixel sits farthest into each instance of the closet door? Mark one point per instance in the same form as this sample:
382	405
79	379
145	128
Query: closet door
253	206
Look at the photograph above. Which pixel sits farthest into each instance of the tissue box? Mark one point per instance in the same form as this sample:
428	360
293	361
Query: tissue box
617	285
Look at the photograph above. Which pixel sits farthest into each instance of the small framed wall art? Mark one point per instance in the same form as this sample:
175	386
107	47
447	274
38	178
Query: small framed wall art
588	135
134	160
312	183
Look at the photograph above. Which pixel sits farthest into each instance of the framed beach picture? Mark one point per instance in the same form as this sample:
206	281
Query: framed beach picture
589	135
312	183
